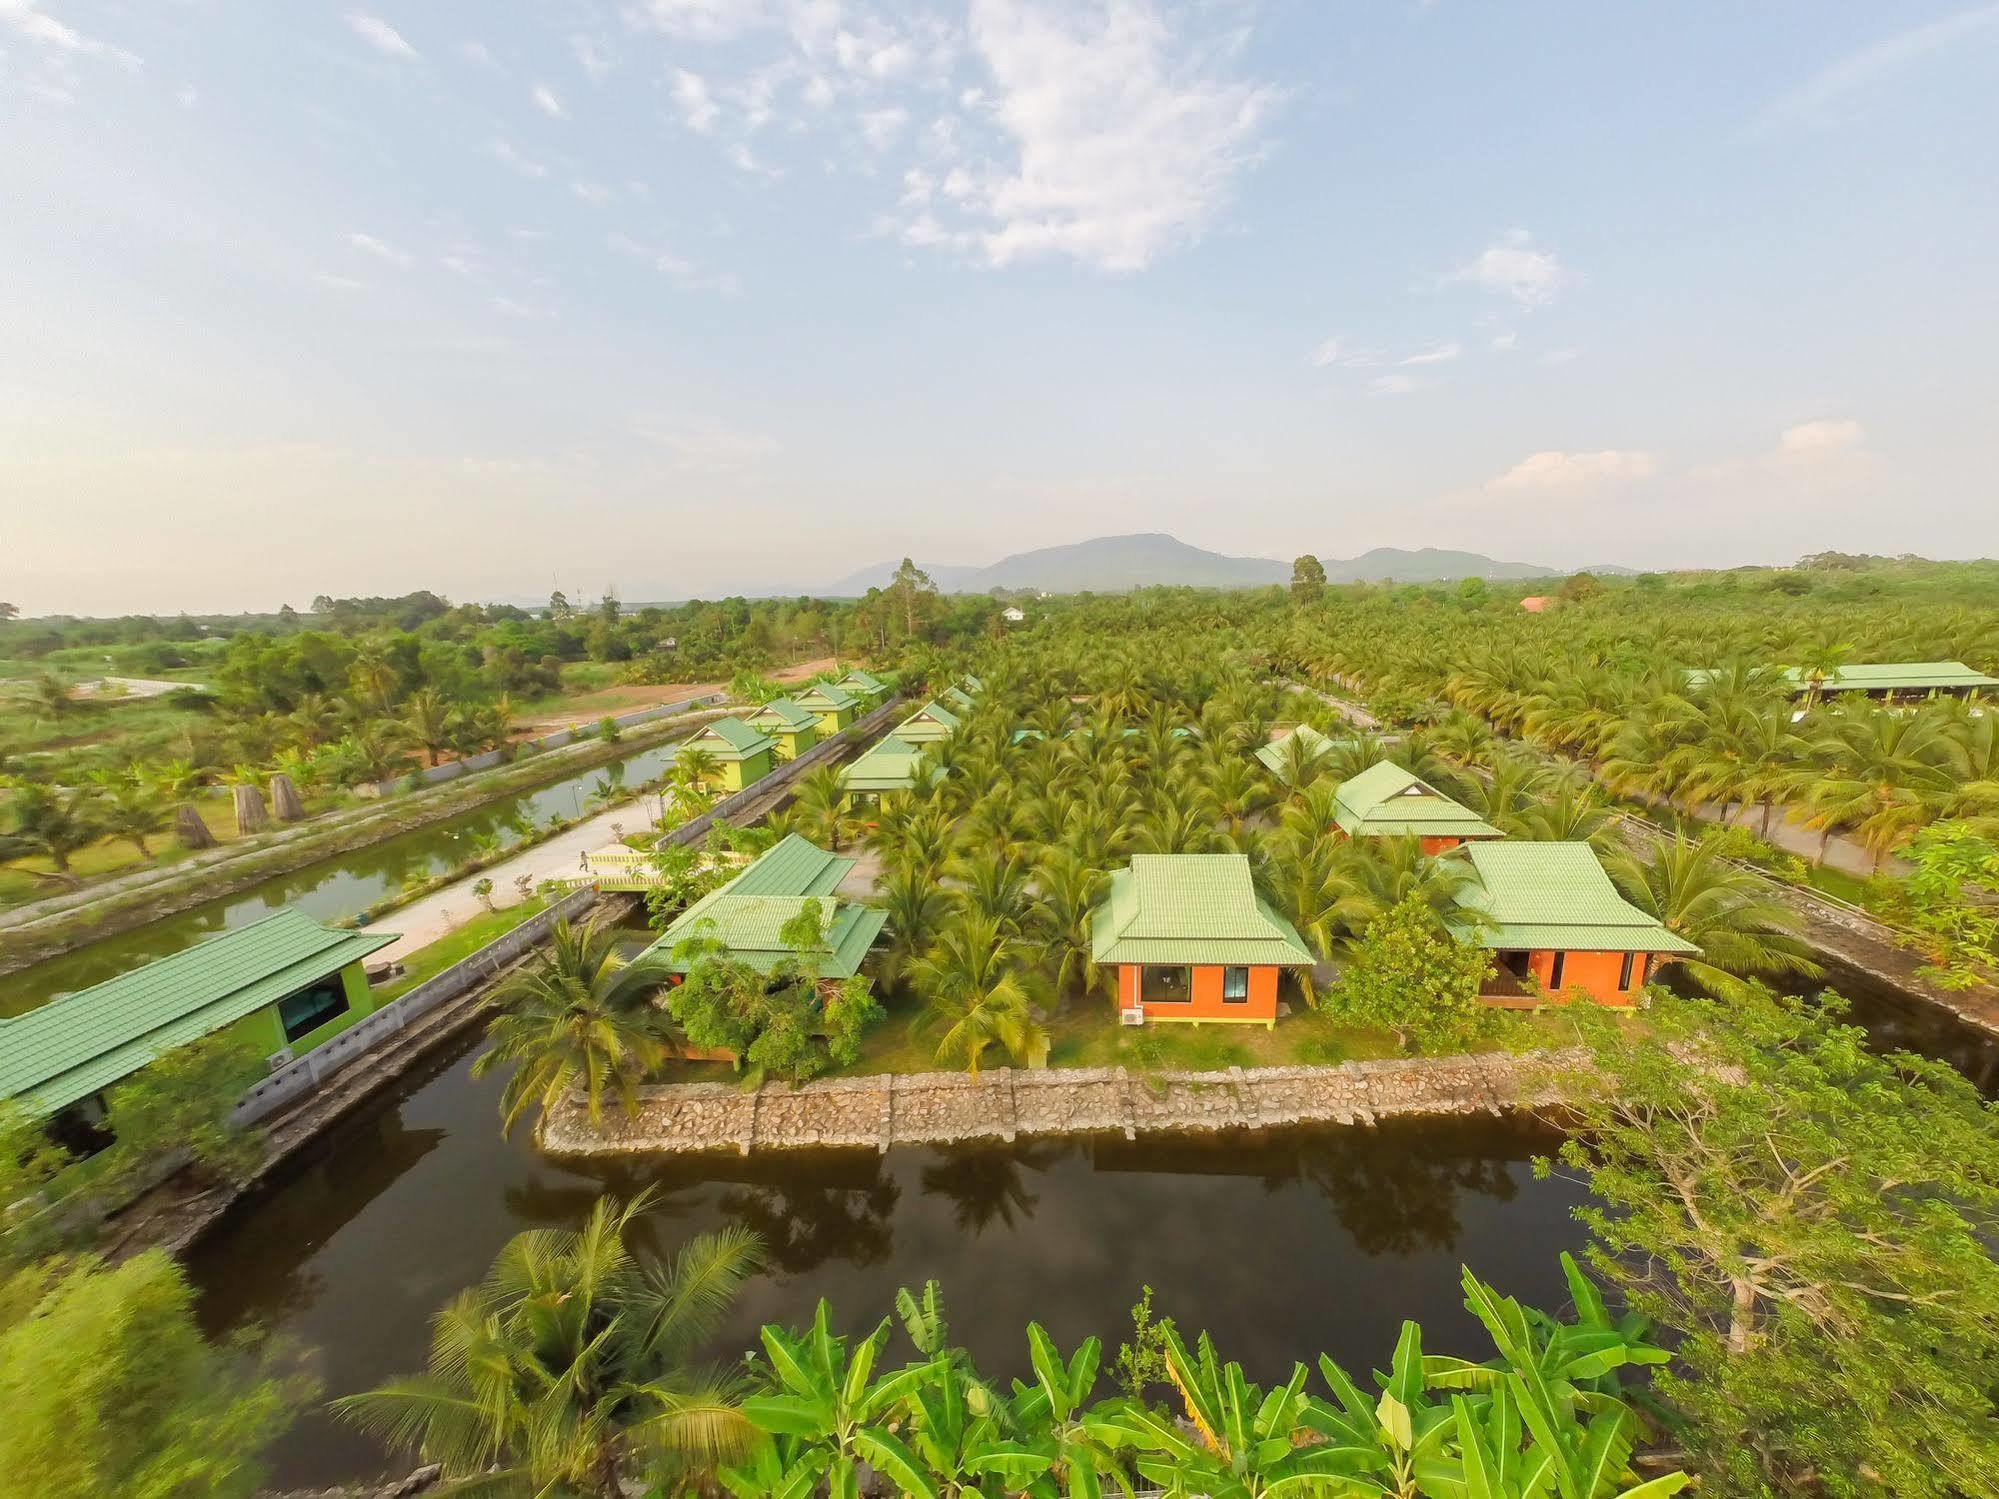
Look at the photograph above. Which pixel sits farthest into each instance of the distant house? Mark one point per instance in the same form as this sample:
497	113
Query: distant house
971	684
886	774
861	686
1386	801
1191	941
1274	753
1557	928
1012	615
958	699
286	983
746	915
791	724
1537	603
744	755
836	708
928	724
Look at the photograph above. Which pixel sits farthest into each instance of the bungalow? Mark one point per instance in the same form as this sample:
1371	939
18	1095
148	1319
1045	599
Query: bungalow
1274	753
1192	942
928	725
836	708
287	983
1012	615
743	754
746	915
859	684
793	726
886	774
1386	801
959	699
1557	928
1888	680
971	684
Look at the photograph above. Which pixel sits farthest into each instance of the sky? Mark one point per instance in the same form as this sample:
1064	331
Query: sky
690	297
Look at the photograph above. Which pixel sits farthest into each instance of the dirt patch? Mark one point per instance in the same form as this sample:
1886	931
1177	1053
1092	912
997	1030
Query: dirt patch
589	707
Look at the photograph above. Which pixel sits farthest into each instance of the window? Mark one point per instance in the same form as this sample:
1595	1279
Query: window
1165	986
1555	973
1624	973
1235	986
311	1008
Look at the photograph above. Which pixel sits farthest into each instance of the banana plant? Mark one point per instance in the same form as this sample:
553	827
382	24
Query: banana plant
1054	1414
959	1435
1399	1445
1244	1447
830	1415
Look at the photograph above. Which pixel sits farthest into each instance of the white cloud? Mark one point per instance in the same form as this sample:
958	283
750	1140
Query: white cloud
380	35
337	283
1395	385
476	53
1337	351
1559	470
1560	356
187	97
744	159
683	272
1511	265
1121	136
697	20
880	127
1810	441
1504	342
26	19
503	151
458	265
1812	103
546	102
707	448
596	194
590	57
1442	353
696	103
369	245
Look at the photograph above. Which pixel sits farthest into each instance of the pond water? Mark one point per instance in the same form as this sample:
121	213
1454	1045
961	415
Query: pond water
332	890
1283	1245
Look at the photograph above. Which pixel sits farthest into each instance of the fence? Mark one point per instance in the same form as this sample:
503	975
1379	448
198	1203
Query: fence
430	775
310	1071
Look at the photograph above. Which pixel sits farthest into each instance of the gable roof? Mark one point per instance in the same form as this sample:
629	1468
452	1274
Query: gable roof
1273	754
72	1047
892	765
823	697
1877	676
1540	896
938	714
783	713
1191	908
1386	801
971	683
861	679
961	697
735	740
747	914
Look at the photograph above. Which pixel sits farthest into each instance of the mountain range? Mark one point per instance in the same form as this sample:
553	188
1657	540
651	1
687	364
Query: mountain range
1113	564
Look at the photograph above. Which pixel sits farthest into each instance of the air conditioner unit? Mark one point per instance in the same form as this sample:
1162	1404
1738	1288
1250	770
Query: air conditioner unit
278	1059
1135	1015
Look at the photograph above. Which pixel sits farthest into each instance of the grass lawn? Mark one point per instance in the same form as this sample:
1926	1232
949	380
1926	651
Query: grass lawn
488	926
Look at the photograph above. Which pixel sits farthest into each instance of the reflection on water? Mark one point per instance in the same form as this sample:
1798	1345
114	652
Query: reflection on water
332	890
1283	1244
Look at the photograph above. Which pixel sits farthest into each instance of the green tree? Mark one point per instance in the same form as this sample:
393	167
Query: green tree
821	808
1813	1222
1733	915
977	995
569	1369
109	1388
1408	977
53	822
578	1017
182	1101
1308	579
912	593
1957	933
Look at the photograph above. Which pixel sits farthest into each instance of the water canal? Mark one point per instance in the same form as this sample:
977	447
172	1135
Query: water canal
334	889
1283	1245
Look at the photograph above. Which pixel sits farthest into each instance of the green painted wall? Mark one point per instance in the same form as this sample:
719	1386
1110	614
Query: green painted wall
264	1027
835	719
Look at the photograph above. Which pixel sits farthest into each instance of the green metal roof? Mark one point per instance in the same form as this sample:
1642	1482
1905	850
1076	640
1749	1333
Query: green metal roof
961	697
824	697
1386	801
75	1046
1273	753
871	685
734	739
1191	908
783	713
747	914
892	765
1555	896
971	684
936	713
1881	676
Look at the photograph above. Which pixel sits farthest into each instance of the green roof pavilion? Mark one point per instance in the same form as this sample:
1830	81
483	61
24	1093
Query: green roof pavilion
747	914
289	982
928	724
1883	676
794	726
1188	909
836	708
1272	754
1386	801
1555	897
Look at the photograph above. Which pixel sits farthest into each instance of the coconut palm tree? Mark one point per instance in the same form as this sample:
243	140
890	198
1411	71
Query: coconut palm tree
568	1370
129	808
54	822
1730	913
977	994
1067	890
695	767
820	808
1884	777
428	719
578	1017
915	906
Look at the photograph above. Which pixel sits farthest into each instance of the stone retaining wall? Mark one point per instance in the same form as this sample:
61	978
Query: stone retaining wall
942	1108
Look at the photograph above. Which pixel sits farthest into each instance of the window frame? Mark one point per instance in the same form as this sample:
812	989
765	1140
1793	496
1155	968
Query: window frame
1556	970
338	1004
1185	997
1235	999
1627	971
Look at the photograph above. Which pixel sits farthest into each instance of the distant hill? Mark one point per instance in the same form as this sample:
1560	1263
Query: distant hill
1113	564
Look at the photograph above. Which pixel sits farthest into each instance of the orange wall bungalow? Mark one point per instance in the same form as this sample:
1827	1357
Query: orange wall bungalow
1386	801
1191	942
1557	928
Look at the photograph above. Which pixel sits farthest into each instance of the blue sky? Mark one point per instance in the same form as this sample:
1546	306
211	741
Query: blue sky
694	296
